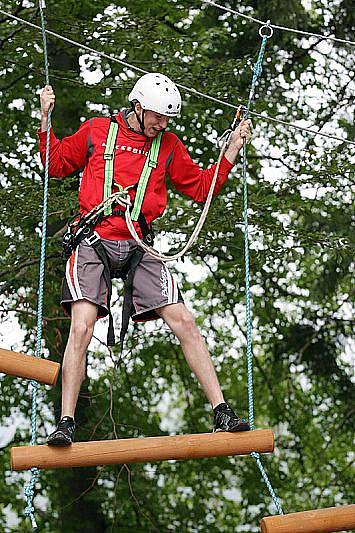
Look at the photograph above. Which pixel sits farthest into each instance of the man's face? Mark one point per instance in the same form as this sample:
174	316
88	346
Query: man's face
153	122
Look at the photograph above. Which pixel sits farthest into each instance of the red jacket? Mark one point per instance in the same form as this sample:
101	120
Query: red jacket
84	150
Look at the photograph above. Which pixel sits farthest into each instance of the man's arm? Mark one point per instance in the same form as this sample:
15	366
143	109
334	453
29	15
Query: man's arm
194	181
68	155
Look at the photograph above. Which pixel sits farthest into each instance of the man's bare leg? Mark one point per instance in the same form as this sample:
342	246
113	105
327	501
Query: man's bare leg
183	325
73	372
83	318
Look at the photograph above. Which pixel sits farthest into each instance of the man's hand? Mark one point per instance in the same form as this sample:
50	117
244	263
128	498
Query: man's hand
47	99
243	131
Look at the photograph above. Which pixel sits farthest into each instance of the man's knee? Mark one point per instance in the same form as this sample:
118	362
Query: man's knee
81	330
184	325
83	320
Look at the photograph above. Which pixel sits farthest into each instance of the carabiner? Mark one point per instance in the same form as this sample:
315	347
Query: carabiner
238	117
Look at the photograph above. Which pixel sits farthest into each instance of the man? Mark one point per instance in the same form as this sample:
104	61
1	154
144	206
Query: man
154	99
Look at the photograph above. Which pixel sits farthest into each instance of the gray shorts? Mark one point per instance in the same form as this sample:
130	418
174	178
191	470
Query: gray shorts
153	285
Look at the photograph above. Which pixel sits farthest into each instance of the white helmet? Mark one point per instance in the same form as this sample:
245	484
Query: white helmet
158	93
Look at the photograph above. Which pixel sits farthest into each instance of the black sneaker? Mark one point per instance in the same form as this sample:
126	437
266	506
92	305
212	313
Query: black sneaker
64	434
225	419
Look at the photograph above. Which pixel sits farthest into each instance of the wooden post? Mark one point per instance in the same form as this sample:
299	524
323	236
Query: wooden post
29	367
340	518
141	450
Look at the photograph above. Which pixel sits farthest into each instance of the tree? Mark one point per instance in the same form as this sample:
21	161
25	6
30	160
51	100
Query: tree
299	188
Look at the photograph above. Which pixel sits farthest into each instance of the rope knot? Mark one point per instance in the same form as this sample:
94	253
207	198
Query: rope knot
28	510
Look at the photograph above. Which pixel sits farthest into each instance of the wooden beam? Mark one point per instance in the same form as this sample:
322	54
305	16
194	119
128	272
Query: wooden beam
29	367
328	520
141	450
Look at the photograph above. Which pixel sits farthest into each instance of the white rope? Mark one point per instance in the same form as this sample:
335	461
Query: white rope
122	197
276	27
194	236
187	89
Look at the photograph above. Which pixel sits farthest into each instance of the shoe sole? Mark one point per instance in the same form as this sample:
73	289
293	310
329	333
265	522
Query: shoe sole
237	429
59	440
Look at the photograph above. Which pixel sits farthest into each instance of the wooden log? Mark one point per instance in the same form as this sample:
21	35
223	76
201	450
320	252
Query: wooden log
141	450
29	367
328	520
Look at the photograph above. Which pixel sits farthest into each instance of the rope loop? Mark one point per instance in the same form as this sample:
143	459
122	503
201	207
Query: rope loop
193	237
268	27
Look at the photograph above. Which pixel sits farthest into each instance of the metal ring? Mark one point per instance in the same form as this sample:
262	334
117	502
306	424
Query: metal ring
243	109
268	27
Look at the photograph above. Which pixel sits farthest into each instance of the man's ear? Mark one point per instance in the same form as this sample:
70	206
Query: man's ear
138	108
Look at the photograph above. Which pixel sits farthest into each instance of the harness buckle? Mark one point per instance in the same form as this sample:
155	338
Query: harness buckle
149	239
152	164
108	156
91	239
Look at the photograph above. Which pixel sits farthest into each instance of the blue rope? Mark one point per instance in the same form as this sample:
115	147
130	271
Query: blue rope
256	73
275	499
30	486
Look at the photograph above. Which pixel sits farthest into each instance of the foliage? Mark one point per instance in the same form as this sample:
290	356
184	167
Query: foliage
300	220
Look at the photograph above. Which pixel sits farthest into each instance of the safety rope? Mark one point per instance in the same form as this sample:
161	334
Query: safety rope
194	236
189	90
256	73
30	486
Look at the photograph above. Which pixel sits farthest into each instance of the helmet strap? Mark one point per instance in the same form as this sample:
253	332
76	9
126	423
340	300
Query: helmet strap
140	120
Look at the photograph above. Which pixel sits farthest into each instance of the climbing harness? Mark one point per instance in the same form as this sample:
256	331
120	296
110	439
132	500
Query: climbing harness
123	197
150	163
83	227
126	272
109	157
